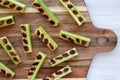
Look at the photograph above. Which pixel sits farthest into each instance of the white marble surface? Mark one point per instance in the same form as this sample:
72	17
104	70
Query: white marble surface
105	14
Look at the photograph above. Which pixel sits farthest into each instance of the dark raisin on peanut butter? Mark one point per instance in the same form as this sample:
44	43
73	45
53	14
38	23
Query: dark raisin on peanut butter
58	72
70	6
65	55
25	41
9	47
39	57
52	61
36	4
6	3
5	41
9	75
23	28
26	48
12	6
9	21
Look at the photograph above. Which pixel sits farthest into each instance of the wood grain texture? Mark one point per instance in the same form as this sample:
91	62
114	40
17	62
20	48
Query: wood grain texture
80	64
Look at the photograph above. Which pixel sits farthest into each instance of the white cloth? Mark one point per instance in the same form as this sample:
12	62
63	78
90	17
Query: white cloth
105	14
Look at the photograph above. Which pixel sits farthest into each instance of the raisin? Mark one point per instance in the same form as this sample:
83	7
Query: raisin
83	42
16	59
69	6
13	53
9	75
75	12
64	36
23	28
18	8
6	3
46	41
72	52
51	46
66	69
38	32
5	41
12	5
36	4
65	55
41	10
39	56
46	16
80	18
70	39
25	41
35	63
78	41
30	73
9	21
52	61
52	22
58	72
9	47
26	48
42	36
24	35
3	71
33	68
57	58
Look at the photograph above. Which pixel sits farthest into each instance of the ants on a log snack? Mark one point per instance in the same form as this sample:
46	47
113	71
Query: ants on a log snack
9	49
26	37
59	74
73	11
46	38
63	57
6	71
36	65
6	21
13	4
80	40
43	9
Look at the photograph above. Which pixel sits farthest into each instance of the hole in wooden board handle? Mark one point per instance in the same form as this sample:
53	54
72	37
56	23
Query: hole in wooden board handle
102	40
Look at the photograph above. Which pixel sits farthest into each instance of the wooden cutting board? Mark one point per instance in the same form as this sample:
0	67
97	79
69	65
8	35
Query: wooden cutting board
80	64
